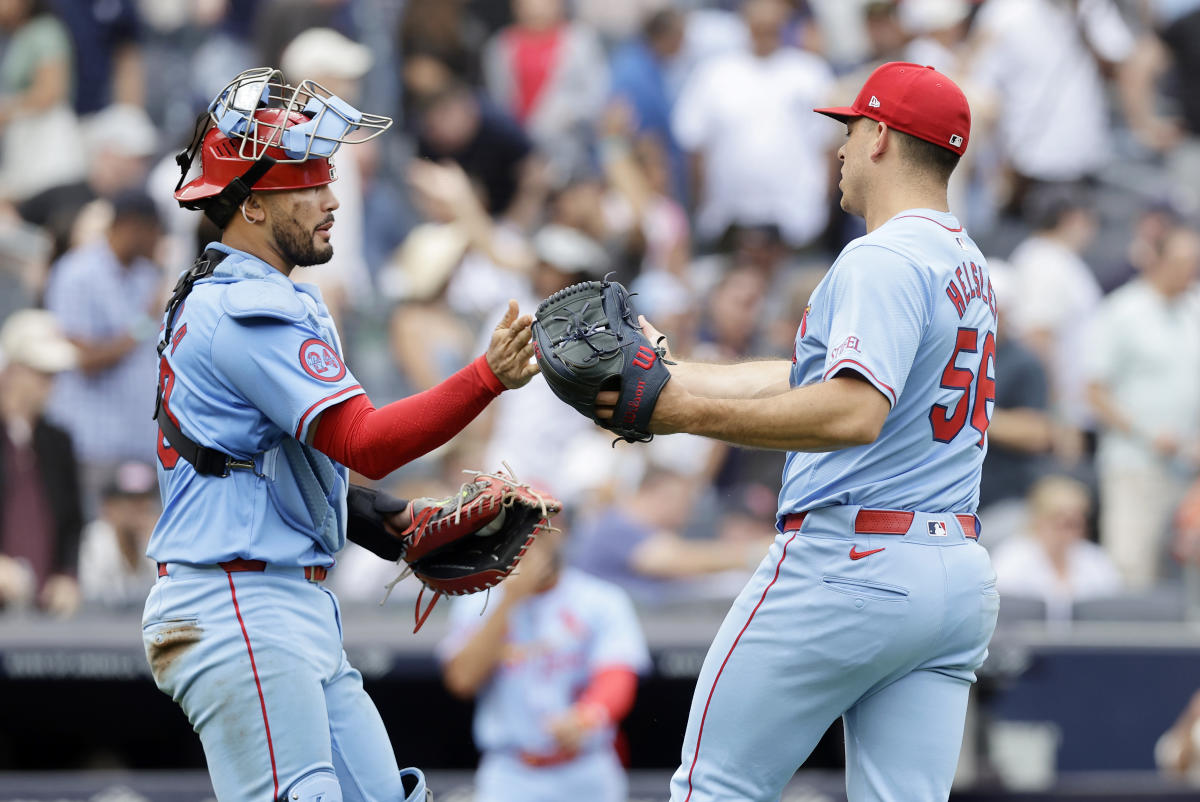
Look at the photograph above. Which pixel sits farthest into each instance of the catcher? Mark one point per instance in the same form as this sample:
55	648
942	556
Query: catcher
260	420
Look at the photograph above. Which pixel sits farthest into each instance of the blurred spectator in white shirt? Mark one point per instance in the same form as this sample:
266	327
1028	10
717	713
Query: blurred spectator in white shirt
1059	295
114	571
1053	560
1047	59
1144	366
760	156
39	131
119	141
551	74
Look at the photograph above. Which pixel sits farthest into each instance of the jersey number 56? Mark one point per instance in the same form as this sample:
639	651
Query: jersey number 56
946	423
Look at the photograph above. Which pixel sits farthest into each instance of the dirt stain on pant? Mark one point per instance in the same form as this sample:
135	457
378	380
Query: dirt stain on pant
169	644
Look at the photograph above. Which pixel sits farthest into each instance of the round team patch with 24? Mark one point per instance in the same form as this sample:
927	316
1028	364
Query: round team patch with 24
320	361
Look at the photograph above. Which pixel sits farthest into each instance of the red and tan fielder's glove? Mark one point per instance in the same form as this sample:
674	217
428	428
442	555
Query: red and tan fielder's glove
472	540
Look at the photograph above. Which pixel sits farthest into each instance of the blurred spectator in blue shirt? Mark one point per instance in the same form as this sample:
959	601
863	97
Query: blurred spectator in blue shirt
108	58
107	296
639	79
636	543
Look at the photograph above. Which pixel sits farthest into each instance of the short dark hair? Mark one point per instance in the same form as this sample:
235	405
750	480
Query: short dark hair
927	156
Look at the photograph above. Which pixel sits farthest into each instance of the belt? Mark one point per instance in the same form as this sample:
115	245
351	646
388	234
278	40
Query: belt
882	522
542	760
313	573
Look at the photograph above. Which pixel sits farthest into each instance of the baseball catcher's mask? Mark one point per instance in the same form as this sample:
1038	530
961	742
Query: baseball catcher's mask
260	132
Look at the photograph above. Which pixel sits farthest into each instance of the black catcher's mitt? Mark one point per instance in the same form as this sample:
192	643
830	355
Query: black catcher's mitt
470	541
586	340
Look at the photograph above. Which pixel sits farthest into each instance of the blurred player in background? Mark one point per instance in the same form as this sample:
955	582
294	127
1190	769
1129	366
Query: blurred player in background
875	602
552	663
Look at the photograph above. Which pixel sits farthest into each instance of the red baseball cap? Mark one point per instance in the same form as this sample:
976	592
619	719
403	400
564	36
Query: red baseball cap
917	100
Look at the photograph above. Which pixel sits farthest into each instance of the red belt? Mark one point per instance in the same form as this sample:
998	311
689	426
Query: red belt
543	760
882	522
313	573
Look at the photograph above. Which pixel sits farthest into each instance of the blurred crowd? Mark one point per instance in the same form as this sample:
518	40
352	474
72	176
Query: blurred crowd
670	143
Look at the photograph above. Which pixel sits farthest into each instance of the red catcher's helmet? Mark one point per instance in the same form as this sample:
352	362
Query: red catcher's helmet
221	162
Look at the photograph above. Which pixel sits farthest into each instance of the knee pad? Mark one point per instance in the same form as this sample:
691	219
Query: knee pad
414	786
318	786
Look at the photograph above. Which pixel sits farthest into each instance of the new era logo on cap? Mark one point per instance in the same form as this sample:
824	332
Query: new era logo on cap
874	102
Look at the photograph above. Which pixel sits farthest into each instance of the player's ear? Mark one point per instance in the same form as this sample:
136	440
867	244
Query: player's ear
883	141
253	210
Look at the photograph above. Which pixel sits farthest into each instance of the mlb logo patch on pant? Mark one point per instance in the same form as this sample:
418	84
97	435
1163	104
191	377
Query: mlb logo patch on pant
937	528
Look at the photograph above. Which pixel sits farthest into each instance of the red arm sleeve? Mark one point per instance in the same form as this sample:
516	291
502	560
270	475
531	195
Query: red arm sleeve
611	690
376	442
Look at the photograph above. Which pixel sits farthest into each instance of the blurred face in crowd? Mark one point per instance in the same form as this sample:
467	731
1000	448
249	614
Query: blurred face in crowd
674	499
735	307
667	37
299	223
765	20
133	516
451	122
581	205
1076	227
13	13
537	14
1059	507
134	238
24	390
1176	268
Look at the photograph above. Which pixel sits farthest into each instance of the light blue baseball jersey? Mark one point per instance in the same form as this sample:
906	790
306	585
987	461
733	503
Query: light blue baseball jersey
253	359
556	641
909	307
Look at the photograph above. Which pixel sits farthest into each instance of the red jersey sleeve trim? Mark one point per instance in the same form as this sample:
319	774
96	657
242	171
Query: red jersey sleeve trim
863	369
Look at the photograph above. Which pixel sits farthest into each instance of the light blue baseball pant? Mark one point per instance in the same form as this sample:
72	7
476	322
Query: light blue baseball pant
255	660
889	641
595	776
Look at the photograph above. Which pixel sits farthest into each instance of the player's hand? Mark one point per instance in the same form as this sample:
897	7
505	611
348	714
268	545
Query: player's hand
536	570
572	727
60	596
17	583
1165	445
510	354
656	337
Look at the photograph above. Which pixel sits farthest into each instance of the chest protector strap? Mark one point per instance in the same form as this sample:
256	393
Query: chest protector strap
206	461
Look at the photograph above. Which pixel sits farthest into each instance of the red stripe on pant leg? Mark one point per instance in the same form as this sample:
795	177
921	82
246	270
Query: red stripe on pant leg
262	702
711	690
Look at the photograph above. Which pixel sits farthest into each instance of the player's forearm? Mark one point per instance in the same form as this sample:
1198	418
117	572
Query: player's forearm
95	356
376	442
1106	409
1021	429
760	379
466	672
671	557
838	413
